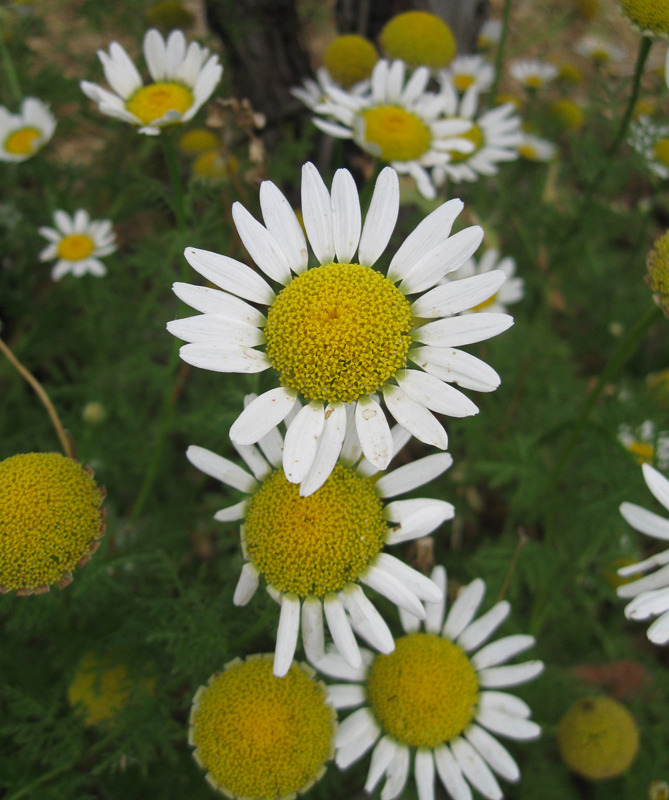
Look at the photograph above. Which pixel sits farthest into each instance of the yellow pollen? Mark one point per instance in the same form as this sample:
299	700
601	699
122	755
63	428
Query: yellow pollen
394	134
350	59
657	263
317	544
425	692
643	452
528	151
197	141
50	516
661	150
419	38
568	114
259	736
533	81
649	15
213	167
75	247
338	332
463	82
22	142
475	136
153	102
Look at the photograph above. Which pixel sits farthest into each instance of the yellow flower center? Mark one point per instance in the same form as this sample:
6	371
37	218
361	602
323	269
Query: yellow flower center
169	15
153	102
463	82
394	134
528	151
661	150
600	55
50	514
75	247
338	332
212	166
317	544
570	74
643	452
533	81
598	738
350	59
657	263
419	38
568	114
475	136
259	736
22	142
424	693
197	141
649	15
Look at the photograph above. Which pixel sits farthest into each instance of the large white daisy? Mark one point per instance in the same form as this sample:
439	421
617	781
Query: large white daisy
437	695
651	593
23	134
78	243
315	551
511	291
341	332
184	79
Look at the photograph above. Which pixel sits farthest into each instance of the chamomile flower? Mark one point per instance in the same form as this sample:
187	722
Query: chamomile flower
314	92
533	74
646	444
490	33
535	148
466	71
419	39
649	17
651	140
342	331
599	50
184	79
657	263
397	121
24	134
350	59
651	593
78	243
314	551
437	695
511	291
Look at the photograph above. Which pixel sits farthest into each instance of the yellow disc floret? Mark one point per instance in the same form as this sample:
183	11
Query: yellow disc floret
568	114
393	134
462	81
23	142
259	736
75	247
658	272
419	38
152	102
424	693
50	517
475	136
169	15
197	141
338	332
661	151
350	59
317	544
598	738
650	16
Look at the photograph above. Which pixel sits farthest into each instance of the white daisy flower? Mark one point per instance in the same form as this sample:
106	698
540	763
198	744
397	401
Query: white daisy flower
651	593
341	332
397	121
534	148
184	79
490	33
437	694
645	443
511	291
599	50
533	74
495	135
315	551
651	140
24	134
466	71
78	243
314	92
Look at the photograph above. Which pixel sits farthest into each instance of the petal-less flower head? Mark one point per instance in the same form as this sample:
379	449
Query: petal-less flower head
198	140
599	50
350	59
650	17
567	113
261	737
314	551
466	71
533	74
397	121
418	38
437	694
651	140
645	443
342	331
511	291
658	272
24	134
51	519
490	33
78	243
651	593
184	79
534	148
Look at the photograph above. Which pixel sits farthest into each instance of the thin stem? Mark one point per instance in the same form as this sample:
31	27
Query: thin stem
12	77
65	439
499	59
172	162
41	780
644	50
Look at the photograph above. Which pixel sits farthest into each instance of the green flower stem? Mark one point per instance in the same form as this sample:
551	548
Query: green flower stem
172	162
10	72
499	59
642	57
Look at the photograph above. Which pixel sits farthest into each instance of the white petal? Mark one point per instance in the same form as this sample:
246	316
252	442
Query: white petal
329	446
484	627
63	222
411	476
444	258
456	331
373	432
120	72
155	54
282	223
648	604
346	216
400	436
657	483
410	623
495	754
232	513
366	620
317	214
335	666
456	366
657	580
340	629
261	245
263	414
384	752
381	217
658	633
645	521
435	394
508	726
231	275
435	611
220	468
413	416
215	330
456	296
451	774
175	52
353	728
416	518
475	769
271	445
80	221
346	695
224	358
424	774
502	677
390	587
246	585
504	702
286	635
301	442
419	584
502	650
395	81
254	460
464	609
397	774
313	637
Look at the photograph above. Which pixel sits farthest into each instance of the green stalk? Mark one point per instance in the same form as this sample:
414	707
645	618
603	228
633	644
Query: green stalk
172	162
642	57
499	59
12	77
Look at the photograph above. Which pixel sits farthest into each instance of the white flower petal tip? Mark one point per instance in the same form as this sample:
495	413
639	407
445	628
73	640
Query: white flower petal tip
373	432
340	629
287	633
262	415
301	442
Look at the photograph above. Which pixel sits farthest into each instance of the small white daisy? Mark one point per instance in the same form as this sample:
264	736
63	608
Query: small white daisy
341	332
315	551
645	443
397	121
533	74
494	134
184	79
490	33
78	244
466	71
314	92
651	140
599	50
651	594
24	134
437	694
534	148
511	291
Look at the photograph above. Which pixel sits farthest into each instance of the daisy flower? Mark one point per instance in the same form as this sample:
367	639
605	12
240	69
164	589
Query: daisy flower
533	74
649	17
315	551
494	135
651	593
418	38
534	148
489	34
397	121
598	50
651	140
645	443
466	71
184	79
24	134
78	244
339	333
350	59
314	92
437	695
511	291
